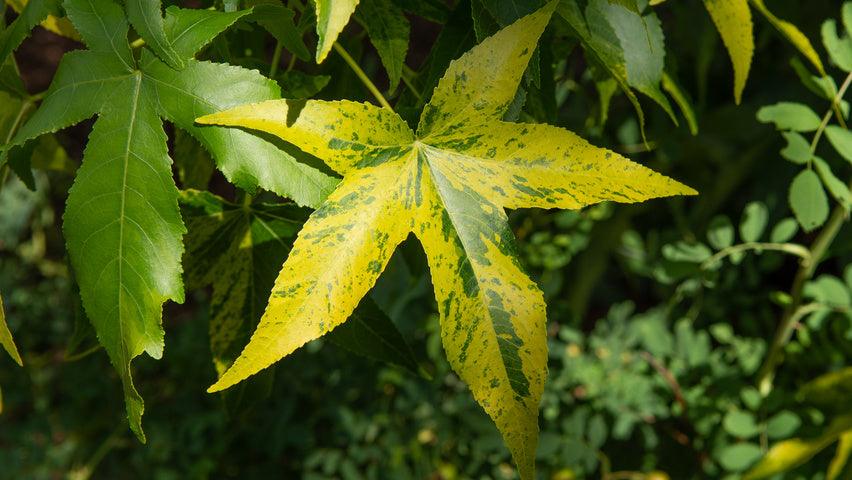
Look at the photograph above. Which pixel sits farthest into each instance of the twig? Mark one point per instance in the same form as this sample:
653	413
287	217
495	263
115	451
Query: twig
361	75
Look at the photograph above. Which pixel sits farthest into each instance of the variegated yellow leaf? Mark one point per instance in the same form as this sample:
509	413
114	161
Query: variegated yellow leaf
793	34
733	21
332	17
448	184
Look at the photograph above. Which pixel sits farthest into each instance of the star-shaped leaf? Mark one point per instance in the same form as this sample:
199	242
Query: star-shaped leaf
122	224
448	183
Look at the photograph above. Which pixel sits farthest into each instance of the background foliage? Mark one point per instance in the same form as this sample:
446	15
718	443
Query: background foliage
668	321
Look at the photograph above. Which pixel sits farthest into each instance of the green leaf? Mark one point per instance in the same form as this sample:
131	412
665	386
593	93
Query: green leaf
754	220
370	333
122	225
296	84
388	30
808	200
740	424
332	16
798	150
839	47
784	230
733	21
643	60
194	165
720	232
278	20
246	160
448	183
739	456
835	186
841	140
602	48
6	337
147	19
236	249
33	13
671	87
793	34
789	454
789	116
828	290
686	252
782	424
189	30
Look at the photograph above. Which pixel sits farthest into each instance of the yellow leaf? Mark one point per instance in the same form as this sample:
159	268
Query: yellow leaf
793	34
448	184
332	17
733	21
58	25
6	337
841	457
789	454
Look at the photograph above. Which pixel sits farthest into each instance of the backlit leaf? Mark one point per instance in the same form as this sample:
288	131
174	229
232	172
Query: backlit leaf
835	186
733	21
448	183
332	16
839	47
793	34
789	454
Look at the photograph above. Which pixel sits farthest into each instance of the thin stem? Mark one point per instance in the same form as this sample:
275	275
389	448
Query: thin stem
361	75
276	59
409	85
791	248
827	117
793	313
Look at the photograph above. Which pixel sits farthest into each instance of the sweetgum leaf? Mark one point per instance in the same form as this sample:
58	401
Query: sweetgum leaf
388	30
447	183
122	224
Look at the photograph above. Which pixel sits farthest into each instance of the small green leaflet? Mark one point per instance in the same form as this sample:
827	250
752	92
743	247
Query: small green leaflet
122	224
448	183
808	200
6	337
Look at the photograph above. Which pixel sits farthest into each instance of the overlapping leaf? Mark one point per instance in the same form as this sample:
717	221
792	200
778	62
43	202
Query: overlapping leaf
448	183
238	249
122	224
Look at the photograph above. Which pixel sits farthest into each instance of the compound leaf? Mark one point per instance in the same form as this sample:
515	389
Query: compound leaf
793	34
448	183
